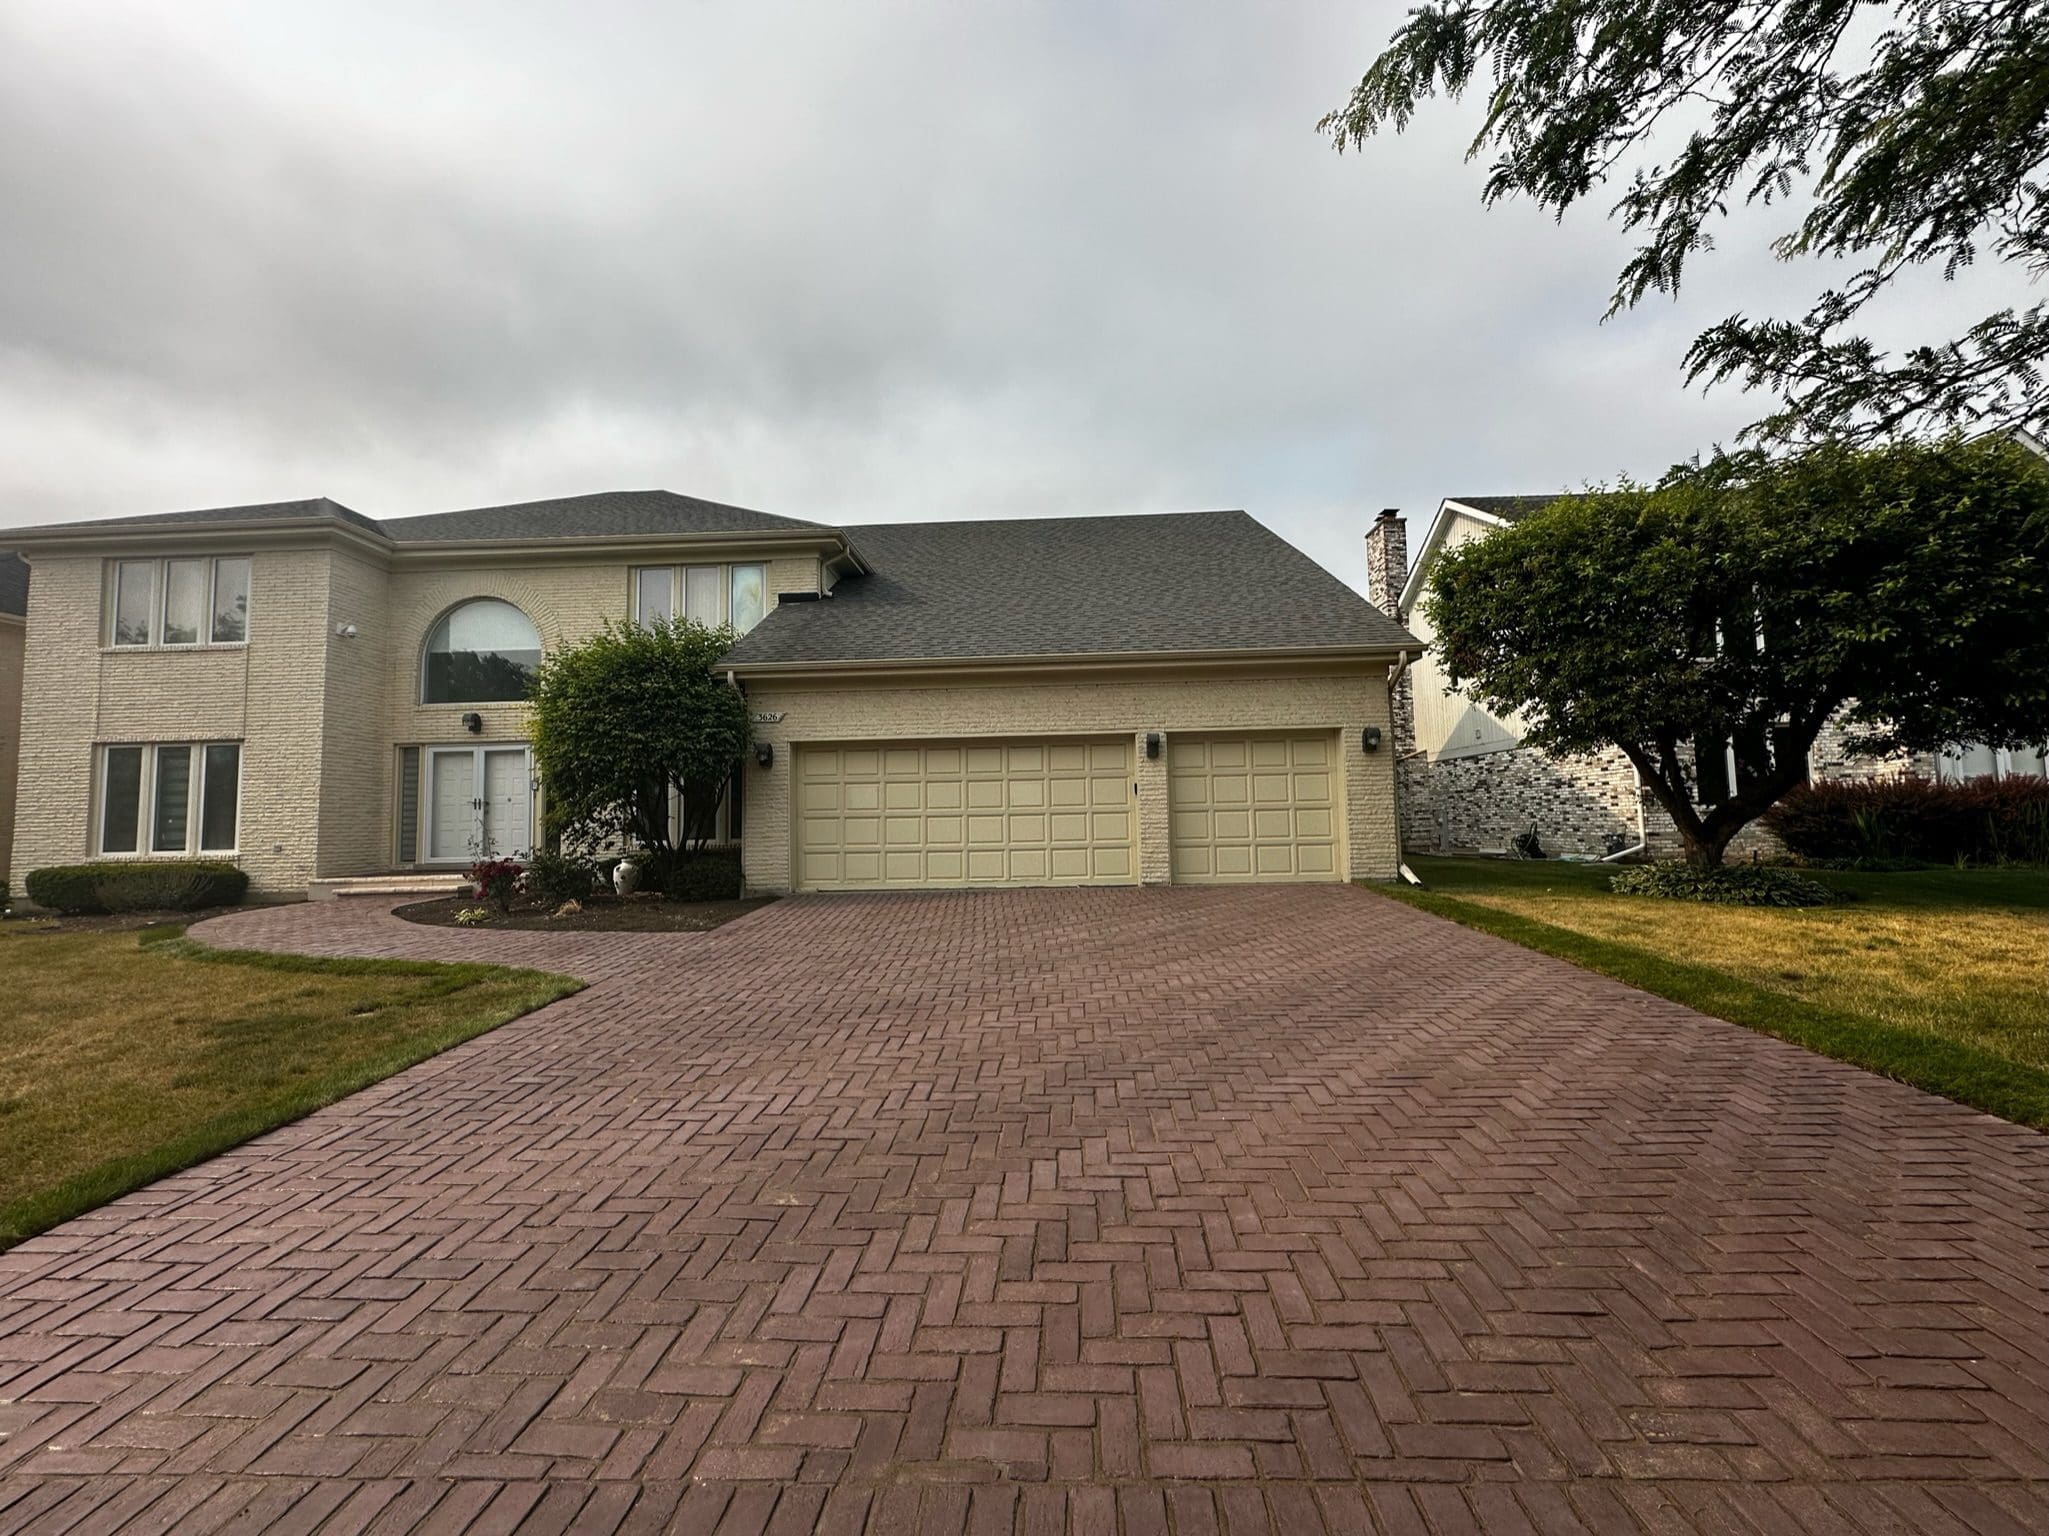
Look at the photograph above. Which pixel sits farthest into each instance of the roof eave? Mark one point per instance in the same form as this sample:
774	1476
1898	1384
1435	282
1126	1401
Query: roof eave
69	538
1231	659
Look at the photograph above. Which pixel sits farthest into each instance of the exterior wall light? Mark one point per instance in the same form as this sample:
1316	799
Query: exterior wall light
473	723
1152	743
1369	739
764	753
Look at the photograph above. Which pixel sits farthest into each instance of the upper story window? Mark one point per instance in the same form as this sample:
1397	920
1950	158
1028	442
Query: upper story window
483	652
185	600
707	594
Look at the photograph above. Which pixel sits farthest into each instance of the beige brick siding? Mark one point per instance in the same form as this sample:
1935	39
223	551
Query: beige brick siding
356	756
268	695
1337	702
13	635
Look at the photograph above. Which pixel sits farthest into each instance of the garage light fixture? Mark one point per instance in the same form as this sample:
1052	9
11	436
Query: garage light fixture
1369	739
764	753
1152	743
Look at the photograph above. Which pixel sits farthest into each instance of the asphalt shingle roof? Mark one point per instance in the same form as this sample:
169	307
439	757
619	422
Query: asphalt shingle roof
13	583
1194	581
257	512
603	514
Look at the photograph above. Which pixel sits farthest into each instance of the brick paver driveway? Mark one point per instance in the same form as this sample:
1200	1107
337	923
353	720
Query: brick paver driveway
1144	1210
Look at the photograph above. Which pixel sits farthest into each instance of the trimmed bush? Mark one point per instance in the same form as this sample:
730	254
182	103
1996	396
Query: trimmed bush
1980	821
1740	885
181	885
703	877
559	877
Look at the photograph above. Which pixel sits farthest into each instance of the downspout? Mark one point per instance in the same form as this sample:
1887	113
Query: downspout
1394	675
1642	834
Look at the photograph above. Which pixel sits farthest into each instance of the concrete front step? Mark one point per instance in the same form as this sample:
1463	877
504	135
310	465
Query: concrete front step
424	887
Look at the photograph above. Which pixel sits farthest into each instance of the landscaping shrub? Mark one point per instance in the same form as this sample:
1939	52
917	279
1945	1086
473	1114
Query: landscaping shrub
496	881
1738	885
1980	821
559	877
703	877
181	885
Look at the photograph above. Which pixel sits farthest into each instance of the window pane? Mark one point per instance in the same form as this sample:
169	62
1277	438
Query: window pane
484	652
750	596
184	600
217	796
653	594
230	600
134	599
701	594
174	799
123	800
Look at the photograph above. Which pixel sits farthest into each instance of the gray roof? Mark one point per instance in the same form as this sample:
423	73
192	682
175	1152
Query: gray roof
1513	508
602	514
1189	581
13	583
258	512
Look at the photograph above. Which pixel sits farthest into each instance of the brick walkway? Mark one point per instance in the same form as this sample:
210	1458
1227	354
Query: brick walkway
1148	1211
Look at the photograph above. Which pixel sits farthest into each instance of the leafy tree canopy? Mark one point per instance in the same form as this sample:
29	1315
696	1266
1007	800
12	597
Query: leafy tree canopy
1743	602
1915	133
625	717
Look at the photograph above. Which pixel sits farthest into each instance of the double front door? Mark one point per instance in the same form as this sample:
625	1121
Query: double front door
479	803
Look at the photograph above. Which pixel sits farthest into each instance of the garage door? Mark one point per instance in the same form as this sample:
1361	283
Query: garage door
1045	812
1248	808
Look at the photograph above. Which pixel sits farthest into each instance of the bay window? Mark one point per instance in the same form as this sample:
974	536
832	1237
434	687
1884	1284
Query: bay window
185	600
177	798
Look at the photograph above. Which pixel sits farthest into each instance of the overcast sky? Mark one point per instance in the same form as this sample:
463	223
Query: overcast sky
848	262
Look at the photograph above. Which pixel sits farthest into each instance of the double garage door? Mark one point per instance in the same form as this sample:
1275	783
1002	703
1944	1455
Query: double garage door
1061	811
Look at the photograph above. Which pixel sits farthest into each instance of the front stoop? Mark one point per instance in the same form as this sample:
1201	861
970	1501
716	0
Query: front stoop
421	887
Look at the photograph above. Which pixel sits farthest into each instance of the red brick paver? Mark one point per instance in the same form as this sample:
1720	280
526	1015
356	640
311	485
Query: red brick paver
1152	1211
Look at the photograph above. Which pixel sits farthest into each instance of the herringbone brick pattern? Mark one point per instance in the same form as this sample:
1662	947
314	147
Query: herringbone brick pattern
1141	1210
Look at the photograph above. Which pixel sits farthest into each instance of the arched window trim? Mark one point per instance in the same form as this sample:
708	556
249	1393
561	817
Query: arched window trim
445	617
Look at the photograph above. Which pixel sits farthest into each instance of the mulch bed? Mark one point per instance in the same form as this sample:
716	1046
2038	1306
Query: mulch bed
601	914
106	922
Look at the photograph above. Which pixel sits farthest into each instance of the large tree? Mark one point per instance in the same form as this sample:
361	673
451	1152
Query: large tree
624	719
1734	608
1902	135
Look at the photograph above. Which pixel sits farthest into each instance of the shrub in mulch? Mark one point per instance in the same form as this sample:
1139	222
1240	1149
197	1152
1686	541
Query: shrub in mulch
1741	885
1980	821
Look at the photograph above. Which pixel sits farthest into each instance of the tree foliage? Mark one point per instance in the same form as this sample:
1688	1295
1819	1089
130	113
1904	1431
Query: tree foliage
1915	134
624	718
1743	602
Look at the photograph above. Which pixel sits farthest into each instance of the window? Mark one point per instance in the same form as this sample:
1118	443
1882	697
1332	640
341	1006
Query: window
484	652
191	600
705	594
191	793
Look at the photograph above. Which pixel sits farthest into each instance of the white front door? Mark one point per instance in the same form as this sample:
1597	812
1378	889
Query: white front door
506	803
479	803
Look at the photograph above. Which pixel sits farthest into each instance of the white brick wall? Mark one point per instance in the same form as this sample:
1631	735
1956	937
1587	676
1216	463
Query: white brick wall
1339	702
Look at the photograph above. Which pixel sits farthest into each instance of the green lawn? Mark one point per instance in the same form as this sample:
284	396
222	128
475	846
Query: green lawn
125	1056
1939	978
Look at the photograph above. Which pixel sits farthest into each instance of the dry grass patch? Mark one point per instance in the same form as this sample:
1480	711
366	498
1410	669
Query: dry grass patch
1937	977
125	1056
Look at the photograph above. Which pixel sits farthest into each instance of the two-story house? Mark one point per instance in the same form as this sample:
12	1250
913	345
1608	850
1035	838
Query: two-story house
321	695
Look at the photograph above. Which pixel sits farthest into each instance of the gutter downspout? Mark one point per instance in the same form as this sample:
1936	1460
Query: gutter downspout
1394	675
1643	838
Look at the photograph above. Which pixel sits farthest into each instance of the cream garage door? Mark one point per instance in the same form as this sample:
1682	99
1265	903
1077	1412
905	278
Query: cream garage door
1249	808
872	815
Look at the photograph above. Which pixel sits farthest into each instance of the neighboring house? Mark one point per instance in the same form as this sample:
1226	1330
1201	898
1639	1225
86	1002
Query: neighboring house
13	636
1469	783
321	695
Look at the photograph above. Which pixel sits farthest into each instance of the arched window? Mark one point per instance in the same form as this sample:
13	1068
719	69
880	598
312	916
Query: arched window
480	653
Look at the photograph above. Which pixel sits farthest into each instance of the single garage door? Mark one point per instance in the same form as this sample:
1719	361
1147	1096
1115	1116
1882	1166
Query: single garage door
1248	808
1039	812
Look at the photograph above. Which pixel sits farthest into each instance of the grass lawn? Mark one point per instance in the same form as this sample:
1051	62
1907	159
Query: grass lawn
1939	978
125	1056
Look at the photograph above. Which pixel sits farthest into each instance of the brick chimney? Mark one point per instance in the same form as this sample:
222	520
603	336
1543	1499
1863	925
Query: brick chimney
1387	568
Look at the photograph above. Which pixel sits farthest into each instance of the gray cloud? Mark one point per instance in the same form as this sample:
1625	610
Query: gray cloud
843	262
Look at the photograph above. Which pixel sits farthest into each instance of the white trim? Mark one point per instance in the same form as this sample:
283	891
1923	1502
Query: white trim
423	848
1433	538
